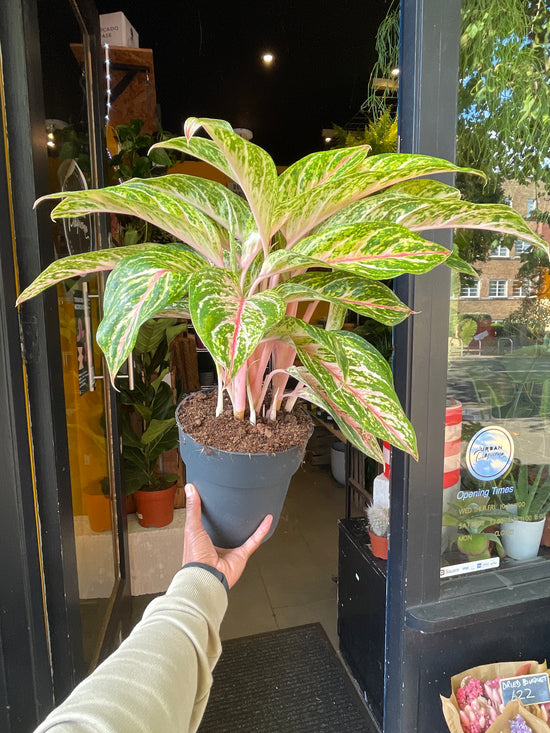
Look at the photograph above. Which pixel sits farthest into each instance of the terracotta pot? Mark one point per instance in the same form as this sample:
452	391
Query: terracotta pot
155	508
98	508
379	546
131	504
545	541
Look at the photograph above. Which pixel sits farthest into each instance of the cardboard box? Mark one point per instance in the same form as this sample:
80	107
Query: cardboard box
116	30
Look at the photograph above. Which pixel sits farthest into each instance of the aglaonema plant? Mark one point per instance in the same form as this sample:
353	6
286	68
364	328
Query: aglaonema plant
251	269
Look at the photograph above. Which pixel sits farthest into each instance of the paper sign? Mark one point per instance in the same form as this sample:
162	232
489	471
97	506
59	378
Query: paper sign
529	688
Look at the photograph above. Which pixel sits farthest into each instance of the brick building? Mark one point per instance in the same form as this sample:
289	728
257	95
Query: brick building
499	291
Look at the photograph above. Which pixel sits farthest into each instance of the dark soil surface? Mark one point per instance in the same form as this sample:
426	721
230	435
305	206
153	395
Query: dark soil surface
197	417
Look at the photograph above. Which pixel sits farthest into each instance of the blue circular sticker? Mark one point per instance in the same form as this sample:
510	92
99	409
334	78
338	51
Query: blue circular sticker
490	453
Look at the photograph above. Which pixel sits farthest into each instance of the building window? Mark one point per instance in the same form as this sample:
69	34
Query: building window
498	288
470	291
521	247
521	288
500	251
531	205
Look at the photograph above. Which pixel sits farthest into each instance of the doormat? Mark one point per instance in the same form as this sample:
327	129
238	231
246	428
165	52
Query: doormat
285	681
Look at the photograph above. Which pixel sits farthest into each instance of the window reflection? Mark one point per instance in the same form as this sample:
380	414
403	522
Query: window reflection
496	486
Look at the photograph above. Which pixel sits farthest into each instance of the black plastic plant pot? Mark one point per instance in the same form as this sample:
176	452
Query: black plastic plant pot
238	490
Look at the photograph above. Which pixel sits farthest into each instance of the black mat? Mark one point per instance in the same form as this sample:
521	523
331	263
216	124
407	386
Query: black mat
286	681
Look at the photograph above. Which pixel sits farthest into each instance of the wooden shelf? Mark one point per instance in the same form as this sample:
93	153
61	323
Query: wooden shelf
331	427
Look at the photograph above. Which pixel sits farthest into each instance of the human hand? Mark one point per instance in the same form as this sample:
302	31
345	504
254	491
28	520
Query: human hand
198	547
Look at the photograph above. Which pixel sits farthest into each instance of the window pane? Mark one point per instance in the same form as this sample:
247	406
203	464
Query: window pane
496	481
497	288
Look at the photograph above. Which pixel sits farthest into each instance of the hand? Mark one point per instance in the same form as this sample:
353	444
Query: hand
198	547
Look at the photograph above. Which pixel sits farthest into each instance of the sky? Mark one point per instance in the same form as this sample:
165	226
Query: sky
207	58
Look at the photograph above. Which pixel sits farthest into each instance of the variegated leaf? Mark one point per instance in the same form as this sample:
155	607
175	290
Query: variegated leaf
318	167
139	288
297	216
253	169
90	262
367	297
352	431
229	323
363	389
377	251
201	148
428	188
420	214
162	202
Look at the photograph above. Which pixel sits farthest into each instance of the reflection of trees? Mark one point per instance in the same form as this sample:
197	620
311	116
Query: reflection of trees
532	317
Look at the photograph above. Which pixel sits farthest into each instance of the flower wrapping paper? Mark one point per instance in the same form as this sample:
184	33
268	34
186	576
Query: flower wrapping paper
489	672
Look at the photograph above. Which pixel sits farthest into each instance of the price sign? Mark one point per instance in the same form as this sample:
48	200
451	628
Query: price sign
529	688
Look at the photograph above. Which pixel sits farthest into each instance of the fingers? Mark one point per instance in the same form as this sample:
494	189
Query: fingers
255	540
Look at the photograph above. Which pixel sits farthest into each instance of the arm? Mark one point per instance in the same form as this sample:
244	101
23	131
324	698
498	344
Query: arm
159	678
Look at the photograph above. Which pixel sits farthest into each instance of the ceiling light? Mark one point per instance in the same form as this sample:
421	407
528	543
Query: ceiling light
268	58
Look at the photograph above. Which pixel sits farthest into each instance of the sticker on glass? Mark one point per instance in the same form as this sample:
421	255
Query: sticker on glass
490	453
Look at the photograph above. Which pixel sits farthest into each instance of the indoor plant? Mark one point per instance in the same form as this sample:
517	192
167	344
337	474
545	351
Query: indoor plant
253	268
522	535
148	425
378	516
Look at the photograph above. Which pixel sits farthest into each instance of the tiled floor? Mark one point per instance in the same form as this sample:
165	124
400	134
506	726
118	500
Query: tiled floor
291	579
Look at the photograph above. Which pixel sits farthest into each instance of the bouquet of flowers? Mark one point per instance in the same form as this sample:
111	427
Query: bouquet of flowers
476	704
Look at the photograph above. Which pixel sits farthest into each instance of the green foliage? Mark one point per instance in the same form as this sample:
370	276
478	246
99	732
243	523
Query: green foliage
332	227
380	135
136	159
504	90
531	491
472	521
148	415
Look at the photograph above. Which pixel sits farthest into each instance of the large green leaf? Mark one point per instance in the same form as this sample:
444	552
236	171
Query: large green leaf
318	168
313	392
253	169
201	148
367	297
362	387
174	203
377	251
102	260
230	323
138	289
419	214
297	216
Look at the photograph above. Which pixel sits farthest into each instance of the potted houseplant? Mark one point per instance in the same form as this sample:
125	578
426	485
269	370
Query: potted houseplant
148	424
378	516
475	528
521	536
250	271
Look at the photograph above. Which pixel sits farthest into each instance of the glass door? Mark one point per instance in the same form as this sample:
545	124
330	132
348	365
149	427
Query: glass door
74	111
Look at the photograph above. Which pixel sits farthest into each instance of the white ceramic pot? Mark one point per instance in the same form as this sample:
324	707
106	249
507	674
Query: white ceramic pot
338	462
521	540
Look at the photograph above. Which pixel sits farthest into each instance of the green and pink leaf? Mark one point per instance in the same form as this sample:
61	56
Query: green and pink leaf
230	324
366	297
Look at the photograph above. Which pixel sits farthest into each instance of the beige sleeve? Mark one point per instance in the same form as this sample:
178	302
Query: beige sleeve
159	678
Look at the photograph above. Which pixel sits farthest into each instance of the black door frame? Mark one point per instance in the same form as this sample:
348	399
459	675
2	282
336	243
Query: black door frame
40	630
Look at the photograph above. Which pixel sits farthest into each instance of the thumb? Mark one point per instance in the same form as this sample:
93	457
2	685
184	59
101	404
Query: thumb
193	507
